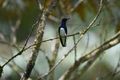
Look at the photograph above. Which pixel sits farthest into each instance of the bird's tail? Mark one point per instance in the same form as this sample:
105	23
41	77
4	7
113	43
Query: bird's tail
63	41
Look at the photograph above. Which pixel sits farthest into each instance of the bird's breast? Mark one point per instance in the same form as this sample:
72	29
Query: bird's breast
62	32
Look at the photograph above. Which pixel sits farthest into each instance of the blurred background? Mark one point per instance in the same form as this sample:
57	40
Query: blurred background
18	16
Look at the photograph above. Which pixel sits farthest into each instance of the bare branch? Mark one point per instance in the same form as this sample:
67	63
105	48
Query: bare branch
76	5
54	57
38	40
81	35
72	68
75	50
95	53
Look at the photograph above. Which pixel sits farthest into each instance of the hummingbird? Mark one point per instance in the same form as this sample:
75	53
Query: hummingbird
63	31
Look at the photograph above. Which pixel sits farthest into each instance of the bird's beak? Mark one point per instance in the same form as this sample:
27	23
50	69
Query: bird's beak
68	18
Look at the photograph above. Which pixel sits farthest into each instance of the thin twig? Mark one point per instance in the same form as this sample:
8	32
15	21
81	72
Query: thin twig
21	51
12	45
72	68
81	35
95	53
46	74
75	50
54	57
116	71
76	5
88	64
39	36
77	33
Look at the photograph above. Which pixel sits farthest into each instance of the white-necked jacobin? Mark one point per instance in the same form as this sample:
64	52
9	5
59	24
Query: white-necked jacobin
63	31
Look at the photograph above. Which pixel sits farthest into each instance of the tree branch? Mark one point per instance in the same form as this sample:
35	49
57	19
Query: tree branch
72	68
38	39
81	35
93	54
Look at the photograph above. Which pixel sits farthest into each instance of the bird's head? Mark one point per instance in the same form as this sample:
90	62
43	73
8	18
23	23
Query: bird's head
65	19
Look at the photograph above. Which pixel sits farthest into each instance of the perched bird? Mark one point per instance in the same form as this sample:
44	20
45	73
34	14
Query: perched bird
63	31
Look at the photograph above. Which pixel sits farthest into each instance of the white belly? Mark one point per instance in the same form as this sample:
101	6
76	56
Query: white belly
62	32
